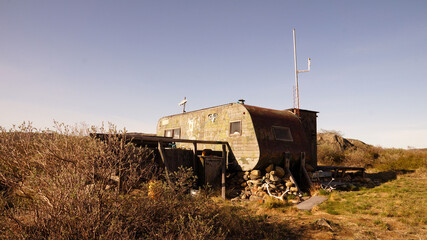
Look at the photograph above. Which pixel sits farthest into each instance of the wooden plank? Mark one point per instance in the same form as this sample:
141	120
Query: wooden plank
144	137
340	168
163	157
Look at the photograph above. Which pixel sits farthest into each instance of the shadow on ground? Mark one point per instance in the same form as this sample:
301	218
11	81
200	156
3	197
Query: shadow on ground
385	176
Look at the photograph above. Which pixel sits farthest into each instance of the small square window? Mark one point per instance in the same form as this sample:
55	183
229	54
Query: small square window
177	133
282	134
173	133
236	128
168	133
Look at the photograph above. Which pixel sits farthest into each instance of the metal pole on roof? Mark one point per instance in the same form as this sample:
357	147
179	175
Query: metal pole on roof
296	73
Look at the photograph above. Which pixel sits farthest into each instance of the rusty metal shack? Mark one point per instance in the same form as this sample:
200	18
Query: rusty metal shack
256	136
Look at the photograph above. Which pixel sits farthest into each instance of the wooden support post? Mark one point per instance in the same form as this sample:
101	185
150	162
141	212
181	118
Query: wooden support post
162	155
195	160
304	171
224	163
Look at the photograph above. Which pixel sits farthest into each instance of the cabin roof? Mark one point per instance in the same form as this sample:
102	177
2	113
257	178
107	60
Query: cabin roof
197	110
265	111
303	110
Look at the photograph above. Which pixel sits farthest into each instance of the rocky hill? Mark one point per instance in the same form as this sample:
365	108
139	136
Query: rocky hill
333	149
340	143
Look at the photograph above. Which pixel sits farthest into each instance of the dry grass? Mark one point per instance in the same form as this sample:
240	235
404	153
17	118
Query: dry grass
62	184
59	185
363	155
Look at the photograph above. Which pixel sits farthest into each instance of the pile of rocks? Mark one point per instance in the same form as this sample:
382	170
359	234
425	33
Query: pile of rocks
272	182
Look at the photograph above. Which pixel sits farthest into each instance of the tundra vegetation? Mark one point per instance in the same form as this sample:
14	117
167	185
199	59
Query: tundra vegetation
65	184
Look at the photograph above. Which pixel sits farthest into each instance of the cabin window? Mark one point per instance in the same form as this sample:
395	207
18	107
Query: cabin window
173	133
282	134
236	128
177	133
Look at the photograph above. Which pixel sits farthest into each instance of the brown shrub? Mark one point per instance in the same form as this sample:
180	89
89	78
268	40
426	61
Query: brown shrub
329	155
63	185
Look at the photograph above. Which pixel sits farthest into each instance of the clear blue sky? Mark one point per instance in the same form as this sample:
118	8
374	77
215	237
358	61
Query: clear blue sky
132	62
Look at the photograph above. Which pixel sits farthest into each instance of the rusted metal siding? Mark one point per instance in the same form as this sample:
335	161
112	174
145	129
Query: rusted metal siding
272	150
214	124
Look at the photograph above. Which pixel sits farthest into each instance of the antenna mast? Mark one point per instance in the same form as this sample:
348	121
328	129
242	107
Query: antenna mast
296	109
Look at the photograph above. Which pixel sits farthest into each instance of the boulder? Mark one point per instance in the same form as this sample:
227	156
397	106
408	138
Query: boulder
256	173
274	178
280	172
254	177
269	168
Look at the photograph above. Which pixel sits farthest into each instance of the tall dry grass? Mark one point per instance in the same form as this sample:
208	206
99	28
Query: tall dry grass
367	156
65	184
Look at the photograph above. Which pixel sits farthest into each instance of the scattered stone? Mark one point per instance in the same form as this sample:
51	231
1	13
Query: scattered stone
254	177
323	223
280	172
269	168
255	183
246	177
256	173
274	178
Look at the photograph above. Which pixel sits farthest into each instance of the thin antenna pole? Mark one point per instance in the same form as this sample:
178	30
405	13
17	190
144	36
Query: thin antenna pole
296	110
293	95
296	74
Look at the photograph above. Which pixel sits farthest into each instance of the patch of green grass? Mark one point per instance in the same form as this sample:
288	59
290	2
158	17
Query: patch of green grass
323	192
384	225
401	198
271	203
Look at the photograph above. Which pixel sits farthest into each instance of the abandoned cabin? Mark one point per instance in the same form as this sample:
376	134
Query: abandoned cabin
256	136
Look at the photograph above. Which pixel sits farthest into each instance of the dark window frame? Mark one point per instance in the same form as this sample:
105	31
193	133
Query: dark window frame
240	128
288	133
173	132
